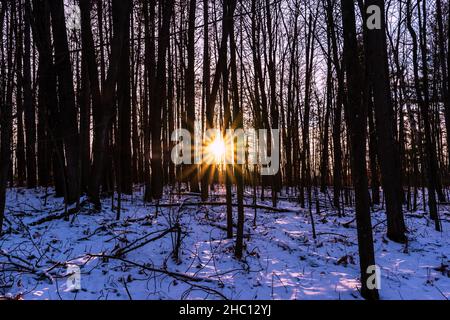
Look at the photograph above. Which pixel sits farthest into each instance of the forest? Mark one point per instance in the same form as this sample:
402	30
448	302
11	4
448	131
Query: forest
119	178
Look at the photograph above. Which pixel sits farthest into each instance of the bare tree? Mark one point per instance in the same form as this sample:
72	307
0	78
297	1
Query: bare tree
190	93
5	119
423	101
104	111
388	151
356	115
66	95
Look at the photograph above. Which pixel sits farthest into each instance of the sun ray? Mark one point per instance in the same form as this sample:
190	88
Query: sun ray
216	150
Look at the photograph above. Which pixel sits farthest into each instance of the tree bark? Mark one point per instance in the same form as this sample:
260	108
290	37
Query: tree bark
238	123
190	94
340	101
444	70
104	111
159	101
66	95
124	119
423	101
28	104
356	115
388	151
6	120
208	123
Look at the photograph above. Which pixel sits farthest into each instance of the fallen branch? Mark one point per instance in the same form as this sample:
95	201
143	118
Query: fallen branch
332	234
145	267
222	204
10	257
347	224
178	276
24	266
133	246
55	217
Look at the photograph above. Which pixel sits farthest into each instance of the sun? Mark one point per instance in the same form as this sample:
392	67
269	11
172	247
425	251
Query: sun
217	149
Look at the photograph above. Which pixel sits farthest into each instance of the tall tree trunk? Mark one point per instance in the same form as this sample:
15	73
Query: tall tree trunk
388	151
190	94
373	149
149	83
6	118
305	153
124	110
326	136
227	124
28	104
274	108
68	110
444	70
104	111
85	135
238	123
448	87
221	63
356	115
20	168
423	101
208	124
340	101
159	101
260	80
48	129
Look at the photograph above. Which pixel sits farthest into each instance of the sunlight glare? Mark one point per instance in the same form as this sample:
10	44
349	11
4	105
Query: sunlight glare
217	149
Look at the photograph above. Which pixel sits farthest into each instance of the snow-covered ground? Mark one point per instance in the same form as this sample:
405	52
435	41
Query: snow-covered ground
133	258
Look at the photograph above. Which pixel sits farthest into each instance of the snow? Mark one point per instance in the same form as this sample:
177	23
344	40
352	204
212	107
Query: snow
281	258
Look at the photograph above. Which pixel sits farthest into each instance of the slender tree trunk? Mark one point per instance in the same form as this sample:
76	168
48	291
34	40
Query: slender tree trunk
124	110
159	101
340	101
104	111
373	148
305	153
238	123
6	120
388	151
424	112
221	63
326	136
48	128
274	107
357	120
20	167
28	104
149	83
190	94
206	94
227	124
67	105
85	134
444	70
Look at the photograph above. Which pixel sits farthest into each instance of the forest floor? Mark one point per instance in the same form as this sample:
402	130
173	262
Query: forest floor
133	258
